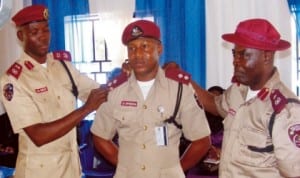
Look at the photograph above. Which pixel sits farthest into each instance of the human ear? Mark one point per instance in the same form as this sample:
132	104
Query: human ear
20	35
268	57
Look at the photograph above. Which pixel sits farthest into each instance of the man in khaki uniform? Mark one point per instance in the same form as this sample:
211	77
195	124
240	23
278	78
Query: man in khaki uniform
36	93
262	124
138	109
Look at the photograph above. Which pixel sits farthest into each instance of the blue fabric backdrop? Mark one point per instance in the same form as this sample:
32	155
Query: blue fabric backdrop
57	10
182	26
294	6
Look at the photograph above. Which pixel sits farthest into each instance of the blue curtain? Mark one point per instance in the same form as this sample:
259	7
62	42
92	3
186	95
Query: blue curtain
182	25
294	6
58	9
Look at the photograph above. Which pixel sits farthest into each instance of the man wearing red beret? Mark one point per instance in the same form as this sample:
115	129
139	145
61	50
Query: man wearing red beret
37	95
149	111
262	116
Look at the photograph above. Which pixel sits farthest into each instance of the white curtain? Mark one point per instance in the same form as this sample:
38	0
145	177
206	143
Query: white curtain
10	48
222	16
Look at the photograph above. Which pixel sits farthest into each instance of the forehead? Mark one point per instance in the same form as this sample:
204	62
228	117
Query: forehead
143	40
243	48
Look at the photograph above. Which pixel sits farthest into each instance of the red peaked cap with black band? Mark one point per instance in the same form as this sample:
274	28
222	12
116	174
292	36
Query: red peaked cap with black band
140	28
30	14
257	34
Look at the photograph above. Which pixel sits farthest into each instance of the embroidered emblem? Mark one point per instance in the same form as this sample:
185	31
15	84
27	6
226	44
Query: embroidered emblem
41	90
136	31
178	75
278	100
8	91
129	103
294	134
15	70
46	14
28	65
263	93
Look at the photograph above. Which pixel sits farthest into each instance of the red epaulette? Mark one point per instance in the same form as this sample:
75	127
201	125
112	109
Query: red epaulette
278	100
62	55
117	81
178	75
15	70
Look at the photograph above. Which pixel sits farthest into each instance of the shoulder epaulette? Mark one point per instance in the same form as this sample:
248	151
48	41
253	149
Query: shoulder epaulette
62	55
278	100
117	81
15	70
178	75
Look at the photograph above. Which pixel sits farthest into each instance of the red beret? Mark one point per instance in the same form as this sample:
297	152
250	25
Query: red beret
140	28
29	14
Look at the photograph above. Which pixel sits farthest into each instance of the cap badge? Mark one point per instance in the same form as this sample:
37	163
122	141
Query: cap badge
136	31
46	14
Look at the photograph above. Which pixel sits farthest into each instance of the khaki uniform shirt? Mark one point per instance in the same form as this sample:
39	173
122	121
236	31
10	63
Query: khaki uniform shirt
246	124
135	121
40	95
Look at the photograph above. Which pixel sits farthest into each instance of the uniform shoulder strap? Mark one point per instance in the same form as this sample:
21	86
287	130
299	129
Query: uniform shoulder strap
62	55
178	75
15	70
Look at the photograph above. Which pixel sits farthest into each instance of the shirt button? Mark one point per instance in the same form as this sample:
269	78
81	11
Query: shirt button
145	127
41	165
143	146
143	167
145	106
58	97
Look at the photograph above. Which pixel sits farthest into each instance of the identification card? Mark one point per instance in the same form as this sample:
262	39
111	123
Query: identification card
161	134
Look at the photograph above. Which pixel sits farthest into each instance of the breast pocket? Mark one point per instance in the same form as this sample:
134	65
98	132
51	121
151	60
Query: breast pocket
126	118
253	148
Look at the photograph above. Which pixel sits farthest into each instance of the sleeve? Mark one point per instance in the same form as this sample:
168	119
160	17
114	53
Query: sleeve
231	99
83	82
194	122
20	107
286	140
104	124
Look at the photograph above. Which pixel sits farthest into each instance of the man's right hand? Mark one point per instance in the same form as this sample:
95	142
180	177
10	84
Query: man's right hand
96	98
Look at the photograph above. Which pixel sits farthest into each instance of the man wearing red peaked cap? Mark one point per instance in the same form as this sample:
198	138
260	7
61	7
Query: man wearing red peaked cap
262	115
29	14
149	114
41	105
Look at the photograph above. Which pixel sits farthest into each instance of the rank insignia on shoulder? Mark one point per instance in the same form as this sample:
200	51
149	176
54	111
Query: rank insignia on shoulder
118	80
278	100
62	55
28	65
178	75
15	70
263	93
